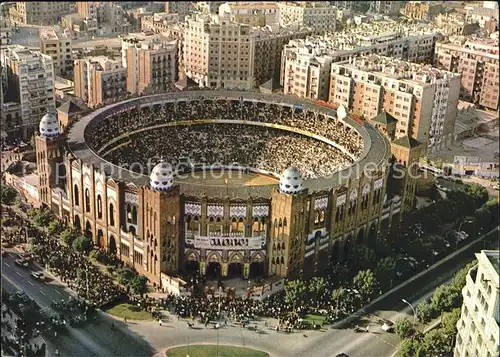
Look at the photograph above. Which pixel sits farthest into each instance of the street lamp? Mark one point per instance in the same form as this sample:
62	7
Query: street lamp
414	312
460	229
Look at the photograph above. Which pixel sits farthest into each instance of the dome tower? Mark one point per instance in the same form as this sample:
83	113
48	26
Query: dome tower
291	181
49	126
162	176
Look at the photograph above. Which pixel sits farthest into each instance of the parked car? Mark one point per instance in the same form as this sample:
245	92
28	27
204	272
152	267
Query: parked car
38	275
388	326
162	322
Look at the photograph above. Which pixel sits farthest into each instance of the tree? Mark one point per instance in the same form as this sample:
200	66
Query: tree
82	244
494	209
450	319
294	291
125	276
482	219
366	283
403	328
8	195
425	312
139	284
406	348
435	343
445	298
477	194
42	218
68	236
385	270
317	287
54	227
437	243
459	279
340	273
361	257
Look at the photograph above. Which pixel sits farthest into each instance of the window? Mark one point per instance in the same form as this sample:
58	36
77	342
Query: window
111	215
77	196
87	200
99	207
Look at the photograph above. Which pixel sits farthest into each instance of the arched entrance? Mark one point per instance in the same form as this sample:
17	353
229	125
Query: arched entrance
88	231
76	224
335	252
192	267
372	236
257	270
347	246
235	267
361	235
214	266
112	245
100	239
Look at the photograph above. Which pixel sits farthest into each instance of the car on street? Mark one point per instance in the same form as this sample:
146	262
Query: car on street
38	275
388	326
162	322
342	355
22	263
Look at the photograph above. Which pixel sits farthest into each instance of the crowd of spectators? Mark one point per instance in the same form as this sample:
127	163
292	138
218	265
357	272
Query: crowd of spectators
249	145
79	273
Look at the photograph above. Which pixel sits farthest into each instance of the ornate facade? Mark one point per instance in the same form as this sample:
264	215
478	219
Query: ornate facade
159	224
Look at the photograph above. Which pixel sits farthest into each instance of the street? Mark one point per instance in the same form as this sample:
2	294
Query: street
97	338
93	339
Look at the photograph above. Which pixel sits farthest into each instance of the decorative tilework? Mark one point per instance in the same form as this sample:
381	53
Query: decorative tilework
378	184
353	195
238	211
260	211
192	208
341	200
131	198
321	203
216	211
366	189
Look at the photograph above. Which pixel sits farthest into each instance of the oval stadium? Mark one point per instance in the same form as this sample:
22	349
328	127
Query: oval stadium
224	183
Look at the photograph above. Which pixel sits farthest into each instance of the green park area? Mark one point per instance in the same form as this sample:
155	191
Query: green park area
214	351
314	319
129	312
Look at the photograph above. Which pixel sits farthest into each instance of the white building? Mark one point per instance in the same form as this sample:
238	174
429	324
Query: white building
58	46
319	15
478	327
30	76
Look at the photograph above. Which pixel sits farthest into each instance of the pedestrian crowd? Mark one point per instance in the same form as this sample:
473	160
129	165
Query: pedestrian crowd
256	146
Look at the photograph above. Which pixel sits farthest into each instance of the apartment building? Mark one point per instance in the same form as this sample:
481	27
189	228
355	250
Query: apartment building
107	17
30	82
100	80
385	7
182	8
311	56
57	45
151	62
453	24
478	326
218	52
269	43
421	98
40	12
477	60
208	6
255	14
159	22
319	15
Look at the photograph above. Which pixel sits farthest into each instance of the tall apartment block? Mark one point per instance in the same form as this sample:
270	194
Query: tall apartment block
218	52
319	15
477	61
385	7
30	82
57	45
251	13
478	326
305	63
100	80
422	99
183	8
151	63
107	16
40	12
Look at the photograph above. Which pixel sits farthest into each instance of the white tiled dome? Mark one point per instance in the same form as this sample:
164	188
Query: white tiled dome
162	176
291	181
49	126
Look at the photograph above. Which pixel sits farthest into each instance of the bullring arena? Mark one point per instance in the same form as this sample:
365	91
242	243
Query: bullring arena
223	183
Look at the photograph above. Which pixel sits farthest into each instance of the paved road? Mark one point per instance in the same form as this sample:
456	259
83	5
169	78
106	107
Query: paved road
93	339
129	339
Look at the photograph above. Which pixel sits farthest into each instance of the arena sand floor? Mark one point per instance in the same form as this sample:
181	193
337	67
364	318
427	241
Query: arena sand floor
228	179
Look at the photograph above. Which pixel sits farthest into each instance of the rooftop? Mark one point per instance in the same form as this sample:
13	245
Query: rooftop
407	142
395	68
50	34
494	258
